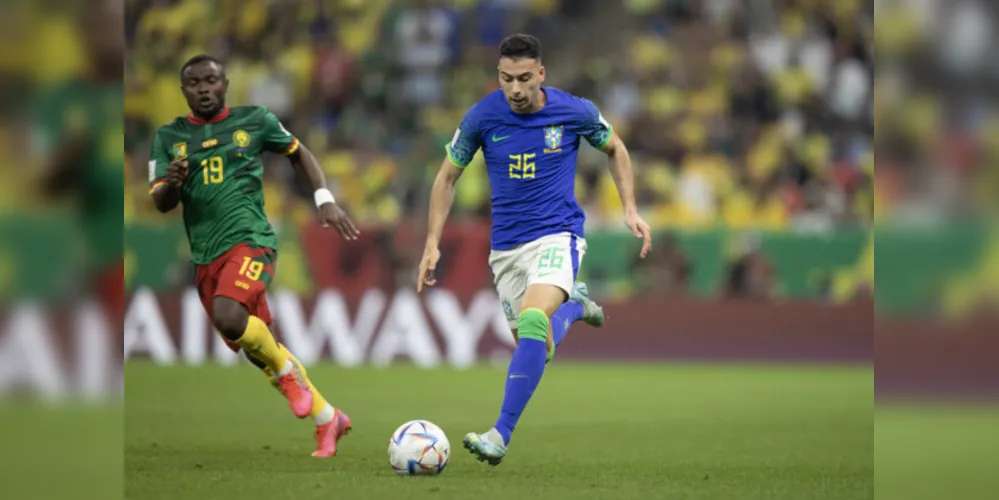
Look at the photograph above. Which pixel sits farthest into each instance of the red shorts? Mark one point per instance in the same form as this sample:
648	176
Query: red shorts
242	274
110	288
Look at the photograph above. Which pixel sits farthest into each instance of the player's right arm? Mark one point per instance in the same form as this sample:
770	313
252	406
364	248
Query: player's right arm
460	152
166	176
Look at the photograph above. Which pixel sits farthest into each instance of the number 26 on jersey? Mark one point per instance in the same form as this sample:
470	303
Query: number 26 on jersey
522	166
211	170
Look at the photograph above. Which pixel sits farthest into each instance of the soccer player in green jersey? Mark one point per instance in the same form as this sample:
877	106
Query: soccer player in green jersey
210	161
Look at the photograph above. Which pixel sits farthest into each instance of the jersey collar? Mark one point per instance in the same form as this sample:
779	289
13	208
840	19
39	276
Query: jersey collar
197	120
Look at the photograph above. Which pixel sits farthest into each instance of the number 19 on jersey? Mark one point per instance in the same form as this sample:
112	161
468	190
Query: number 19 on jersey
212	170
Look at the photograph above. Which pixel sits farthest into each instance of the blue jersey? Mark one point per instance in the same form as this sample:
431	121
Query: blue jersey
531	162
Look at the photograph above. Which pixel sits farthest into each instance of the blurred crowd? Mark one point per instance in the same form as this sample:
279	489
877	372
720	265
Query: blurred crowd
752	113
938	126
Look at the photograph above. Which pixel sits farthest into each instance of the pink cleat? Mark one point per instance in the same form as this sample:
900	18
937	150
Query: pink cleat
294	387
328	434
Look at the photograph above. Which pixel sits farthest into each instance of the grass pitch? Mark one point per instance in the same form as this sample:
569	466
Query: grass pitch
591	431
931	450
60	450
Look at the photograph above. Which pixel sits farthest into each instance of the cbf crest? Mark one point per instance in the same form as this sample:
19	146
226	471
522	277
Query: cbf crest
241	139
553	139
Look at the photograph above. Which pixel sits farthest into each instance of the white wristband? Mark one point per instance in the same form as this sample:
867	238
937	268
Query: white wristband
323	196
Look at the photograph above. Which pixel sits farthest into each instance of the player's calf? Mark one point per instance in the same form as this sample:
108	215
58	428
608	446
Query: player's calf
331	423
234	321
526	368
257	341
578	307
271	376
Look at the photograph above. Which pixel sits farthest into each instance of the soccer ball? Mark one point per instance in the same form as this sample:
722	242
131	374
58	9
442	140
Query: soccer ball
417	448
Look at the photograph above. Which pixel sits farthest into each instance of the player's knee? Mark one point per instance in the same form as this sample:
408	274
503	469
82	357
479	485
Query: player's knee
230	317
545	297
533	324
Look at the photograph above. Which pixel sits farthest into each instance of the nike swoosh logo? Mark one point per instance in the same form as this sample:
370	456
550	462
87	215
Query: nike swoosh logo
497	139
518	376
542	275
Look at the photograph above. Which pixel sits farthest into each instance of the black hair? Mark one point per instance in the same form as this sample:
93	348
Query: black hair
200	58
520	46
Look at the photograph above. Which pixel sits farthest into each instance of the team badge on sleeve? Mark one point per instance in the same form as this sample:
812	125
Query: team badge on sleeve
553	139
180	150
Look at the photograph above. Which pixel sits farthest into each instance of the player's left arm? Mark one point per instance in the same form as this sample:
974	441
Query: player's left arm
599	133
278	139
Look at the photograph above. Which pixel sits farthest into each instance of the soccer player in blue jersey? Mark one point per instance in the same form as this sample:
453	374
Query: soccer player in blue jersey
530	136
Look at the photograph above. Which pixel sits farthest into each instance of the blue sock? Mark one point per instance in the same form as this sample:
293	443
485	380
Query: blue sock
567	314
526	368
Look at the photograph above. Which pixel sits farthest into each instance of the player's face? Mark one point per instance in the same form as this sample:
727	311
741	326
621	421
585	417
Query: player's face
521	82
204	86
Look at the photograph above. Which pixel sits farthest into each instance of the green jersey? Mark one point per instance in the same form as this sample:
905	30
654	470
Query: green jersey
93	112
223	196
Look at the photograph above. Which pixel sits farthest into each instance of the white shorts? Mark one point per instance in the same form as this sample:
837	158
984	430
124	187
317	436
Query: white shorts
551	260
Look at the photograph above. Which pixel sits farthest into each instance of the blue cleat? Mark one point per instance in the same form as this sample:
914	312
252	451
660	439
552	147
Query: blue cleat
484	448
593	314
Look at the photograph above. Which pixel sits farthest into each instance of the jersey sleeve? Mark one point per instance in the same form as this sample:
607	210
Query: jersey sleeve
466	141
276	138
159	158
593	127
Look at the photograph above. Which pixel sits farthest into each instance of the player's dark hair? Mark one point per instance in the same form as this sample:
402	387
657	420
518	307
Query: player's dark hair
520	46
200	58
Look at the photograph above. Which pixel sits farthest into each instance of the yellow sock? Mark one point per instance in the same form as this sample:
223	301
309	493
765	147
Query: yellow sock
259	343
318	402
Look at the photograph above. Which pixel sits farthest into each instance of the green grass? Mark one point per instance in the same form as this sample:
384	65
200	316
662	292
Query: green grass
591	431
69	450
934	450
